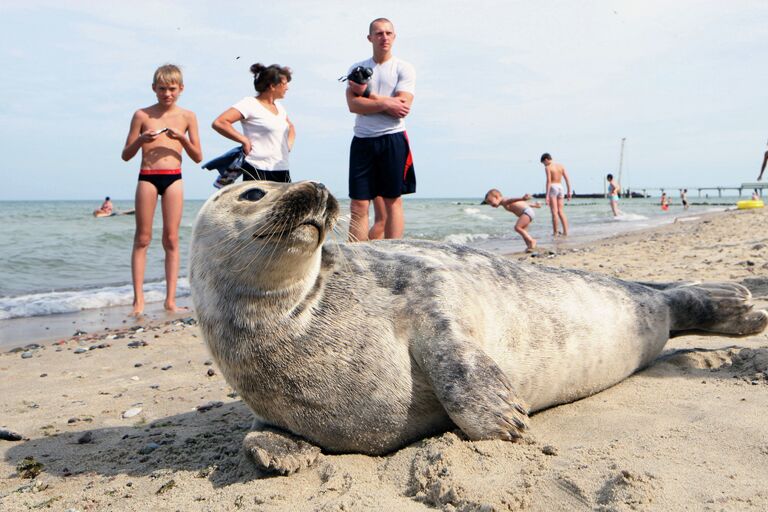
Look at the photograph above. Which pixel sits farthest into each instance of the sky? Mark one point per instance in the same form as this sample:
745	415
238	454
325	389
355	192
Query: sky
498	84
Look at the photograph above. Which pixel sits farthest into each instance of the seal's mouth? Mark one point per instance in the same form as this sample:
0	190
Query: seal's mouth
274	235
314	224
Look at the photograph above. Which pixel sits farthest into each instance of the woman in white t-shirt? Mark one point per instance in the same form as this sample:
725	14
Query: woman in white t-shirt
268	134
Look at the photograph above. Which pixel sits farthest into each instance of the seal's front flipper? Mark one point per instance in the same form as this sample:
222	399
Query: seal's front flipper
718	308
474	391
274	451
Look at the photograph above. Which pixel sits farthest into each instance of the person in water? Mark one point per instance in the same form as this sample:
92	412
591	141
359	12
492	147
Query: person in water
555	197
161	131
614	192
664	201
105	208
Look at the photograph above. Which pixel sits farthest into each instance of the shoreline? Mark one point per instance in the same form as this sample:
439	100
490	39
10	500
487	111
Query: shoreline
140	417
17	332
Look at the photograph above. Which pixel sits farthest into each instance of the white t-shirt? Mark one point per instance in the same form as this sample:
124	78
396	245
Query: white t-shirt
267	132
392	76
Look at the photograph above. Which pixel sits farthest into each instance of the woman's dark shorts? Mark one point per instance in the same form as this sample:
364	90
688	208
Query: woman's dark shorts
251	173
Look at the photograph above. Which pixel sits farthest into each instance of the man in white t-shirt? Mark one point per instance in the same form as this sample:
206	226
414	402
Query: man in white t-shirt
380	161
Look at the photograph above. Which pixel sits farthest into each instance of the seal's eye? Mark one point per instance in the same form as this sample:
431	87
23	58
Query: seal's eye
253	194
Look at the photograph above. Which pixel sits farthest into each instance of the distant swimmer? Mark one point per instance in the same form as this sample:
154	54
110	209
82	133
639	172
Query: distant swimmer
555	194
684	198
105	210
614	191
519	207
664	201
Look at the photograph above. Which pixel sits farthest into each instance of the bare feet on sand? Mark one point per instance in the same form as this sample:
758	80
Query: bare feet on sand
532	247
171	307
138	309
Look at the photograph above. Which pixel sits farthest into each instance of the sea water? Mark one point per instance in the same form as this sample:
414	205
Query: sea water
56	258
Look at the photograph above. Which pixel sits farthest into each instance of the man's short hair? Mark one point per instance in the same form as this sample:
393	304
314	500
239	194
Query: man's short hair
610	177
379	20
546	156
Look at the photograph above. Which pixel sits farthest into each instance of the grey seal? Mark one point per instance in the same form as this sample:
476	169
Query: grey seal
369	347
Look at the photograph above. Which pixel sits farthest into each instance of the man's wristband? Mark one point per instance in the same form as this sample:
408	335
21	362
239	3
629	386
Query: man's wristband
367	92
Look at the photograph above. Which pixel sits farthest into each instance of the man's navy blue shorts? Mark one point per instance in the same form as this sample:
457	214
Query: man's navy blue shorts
381	166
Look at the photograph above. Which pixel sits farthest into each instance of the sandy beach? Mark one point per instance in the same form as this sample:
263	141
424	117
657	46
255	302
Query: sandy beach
139	418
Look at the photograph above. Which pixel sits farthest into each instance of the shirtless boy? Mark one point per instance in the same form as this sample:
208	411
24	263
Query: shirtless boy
555	197
614	191
519	207
161	131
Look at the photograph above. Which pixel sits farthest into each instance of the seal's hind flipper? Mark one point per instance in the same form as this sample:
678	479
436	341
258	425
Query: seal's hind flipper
715	308
666	286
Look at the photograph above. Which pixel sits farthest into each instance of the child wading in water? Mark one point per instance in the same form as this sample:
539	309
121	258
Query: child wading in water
664	201
614	191
161	131
519	207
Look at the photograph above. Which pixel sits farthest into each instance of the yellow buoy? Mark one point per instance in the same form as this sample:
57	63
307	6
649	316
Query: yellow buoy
750	203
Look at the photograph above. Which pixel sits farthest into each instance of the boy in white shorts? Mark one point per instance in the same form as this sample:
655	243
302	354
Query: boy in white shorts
555	193
519	207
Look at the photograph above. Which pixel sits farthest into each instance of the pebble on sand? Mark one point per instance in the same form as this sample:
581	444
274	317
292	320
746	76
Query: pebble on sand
10	435
209	406
130	413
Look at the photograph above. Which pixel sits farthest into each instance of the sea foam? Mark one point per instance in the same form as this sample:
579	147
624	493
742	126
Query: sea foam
40	304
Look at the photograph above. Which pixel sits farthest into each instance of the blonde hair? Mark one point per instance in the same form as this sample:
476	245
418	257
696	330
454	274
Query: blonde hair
168	74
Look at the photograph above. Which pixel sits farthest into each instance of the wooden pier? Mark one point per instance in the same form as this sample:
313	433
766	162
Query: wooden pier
758	185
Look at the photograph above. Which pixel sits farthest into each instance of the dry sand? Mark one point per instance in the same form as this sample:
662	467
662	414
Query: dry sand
688	433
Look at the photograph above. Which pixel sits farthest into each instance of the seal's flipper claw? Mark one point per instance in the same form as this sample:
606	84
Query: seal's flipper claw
279	452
